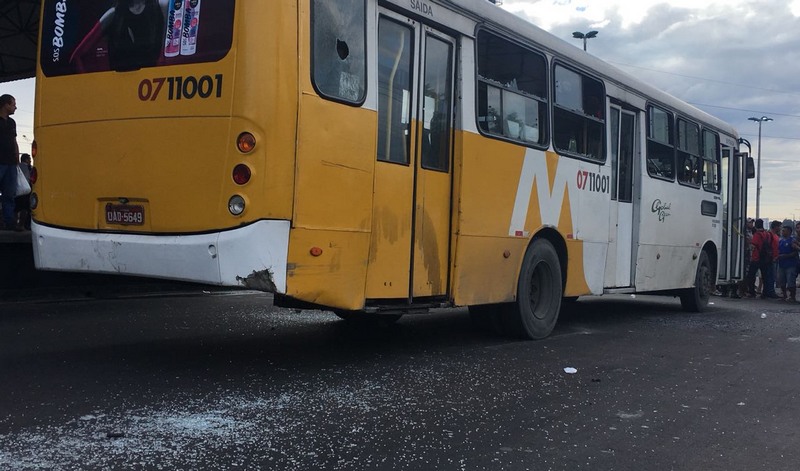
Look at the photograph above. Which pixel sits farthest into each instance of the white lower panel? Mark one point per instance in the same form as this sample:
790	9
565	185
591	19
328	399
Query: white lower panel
221	258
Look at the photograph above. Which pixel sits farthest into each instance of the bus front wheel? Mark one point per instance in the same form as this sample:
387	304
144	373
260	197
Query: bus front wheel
696	299
539	291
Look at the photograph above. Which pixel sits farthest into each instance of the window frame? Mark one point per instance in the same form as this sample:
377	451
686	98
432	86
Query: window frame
543	102
650	141
717	161
581	115
406	162
682	154
452	46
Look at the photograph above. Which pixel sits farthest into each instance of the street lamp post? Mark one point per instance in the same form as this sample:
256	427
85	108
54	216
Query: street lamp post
758	164
589	35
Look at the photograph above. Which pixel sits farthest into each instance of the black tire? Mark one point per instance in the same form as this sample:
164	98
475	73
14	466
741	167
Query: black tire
695	299
539	291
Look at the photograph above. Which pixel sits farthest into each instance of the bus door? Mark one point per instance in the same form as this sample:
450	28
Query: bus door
731	263
410	240
622	246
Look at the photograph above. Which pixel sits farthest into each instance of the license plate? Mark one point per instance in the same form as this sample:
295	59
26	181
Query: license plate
125	214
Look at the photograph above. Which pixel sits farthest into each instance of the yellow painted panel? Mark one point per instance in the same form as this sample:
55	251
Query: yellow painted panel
336	277
482	272
335	166
488	185
432	233
576	277
489	178
187	183
389	269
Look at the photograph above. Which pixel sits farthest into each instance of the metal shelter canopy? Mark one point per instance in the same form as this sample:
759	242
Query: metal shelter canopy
19	31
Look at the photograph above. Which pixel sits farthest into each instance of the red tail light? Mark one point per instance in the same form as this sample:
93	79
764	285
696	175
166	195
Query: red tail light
241	174
34	175
34	148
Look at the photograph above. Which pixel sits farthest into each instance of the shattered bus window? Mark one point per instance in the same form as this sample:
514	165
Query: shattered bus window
339	68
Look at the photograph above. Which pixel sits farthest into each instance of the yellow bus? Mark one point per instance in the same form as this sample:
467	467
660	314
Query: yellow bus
373	158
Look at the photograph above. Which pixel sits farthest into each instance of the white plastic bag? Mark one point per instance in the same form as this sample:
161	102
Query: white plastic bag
23	187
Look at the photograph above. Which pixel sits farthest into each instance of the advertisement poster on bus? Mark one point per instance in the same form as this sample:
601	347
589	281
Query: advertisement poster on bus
83	36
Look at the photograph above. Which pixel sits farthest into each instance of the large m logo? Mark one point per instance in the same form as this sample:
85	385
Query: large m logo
549	205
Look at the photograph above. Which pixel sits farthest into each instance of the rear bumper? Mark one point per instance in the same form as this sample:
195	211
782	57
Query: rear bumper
253	256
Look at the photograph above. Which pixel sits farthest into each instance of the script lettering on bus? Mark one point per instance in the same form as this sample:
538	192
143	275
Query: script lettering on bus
422	7
181	88
593	182
662	209
58	29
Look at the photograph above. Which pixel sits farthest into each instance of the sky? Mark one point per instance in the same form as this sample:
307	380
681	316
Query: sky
734	59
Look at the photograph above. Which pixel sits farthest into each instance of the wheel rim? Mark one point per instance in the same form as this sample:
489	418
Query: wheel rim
541	290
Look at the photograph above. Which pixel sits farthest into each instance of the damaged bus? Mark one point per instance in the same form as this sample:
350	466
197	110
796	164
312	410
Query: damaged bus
373	158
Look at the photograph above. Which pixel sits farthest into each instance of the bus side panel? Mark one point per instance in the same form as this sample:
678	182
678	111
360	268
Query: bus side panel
333	203
335	277
489	176
487	179
483	274
335	166
669	250
508	194
662	267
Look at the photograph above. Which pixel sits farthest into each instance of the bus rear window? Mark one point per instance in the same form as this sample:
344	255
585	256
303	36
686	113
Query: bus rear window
82	36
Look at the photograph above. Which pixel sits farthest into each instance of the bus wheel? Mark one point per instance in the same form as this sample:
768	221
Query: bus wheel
539	291
696	299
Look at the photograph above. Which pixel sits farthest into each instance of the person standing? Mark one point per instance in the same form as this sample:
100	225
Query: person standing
760	258
22	203
787	264
755	258
9	155
772	270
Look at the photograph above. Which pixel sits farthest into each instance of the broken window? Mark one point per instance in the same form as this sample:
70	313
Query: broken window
338	31
512	90
579	115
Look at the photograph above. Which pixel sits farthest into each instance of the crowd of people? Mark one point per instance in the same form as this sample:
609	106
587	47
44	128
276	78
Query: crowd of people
15	207
773	261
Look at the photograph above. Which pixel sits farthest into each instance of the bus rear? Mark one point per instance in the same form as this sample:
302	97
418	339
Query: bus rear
154	157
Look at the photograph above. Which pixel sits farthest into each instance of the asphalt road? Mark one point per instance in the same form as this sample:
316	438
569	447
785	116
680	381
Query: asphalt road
193	380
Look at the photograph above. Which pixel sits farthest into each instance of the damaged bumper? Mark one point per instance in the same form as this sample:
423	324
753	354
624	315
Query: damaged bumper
252	256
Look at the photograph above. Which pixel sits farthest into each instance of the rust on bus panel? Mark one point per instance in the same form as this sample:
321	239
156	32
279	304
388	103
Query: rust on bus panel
261	280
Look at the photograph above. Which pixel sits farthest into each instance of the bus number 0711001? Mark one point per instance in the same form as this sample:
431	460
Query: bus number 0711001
181	88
